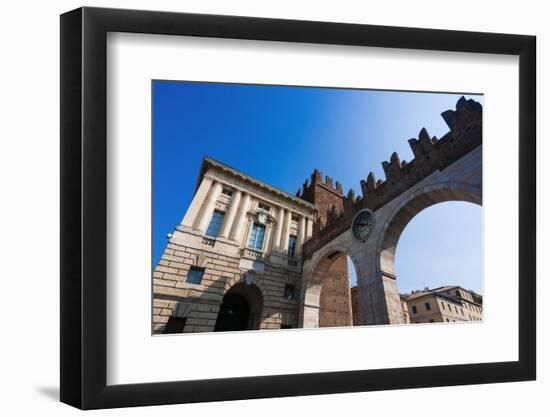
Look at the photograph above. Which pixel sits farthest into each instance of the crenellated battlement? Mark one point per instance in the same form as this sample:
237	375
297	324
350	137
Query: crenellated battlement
317	179
430	154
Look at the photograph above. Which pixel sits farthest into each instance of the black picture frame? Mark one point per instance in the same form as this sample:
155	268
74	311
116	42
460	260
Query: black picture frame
84	179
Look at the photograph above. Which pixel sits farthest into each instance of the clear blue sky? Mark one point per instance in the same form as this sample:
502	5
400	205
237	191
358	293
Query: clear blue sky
281	134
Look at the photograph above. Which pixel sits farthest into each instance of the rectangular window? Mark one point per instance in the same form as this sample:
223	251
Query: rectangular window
194	276
414	310
428	306
175	325
227	192
257	234
215	223
289	292
443	305
291	246
263	206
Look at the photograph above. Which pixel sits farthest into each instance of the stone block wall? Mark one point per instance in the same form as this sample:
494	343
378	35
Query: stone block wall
200	303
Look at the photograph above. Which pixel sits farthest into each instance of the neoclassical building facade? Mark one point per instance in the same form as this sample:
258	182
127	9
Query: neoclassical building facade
234	262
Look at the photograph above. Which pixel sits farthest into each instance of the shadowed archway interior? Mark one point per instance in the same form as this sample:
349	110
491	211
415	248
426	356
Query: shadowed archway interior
241	309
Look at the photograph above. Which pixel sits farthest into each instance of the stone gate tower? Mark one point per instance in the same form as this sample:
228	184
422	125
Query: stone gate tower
335	304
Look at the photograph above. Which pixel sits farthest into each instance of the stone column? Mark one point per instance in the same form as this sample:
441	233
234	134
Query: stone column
286	231
209	206
379	301
276	241
301	235
199	197
309	228
240	222
230	215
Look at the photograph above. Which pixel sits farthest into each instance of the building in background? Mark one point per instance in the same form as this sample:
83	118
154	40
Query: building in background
443	304
404	308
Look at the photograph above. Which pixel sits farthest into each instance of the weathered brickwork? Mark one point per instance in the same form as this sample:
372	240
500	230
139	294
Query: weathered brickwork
335	305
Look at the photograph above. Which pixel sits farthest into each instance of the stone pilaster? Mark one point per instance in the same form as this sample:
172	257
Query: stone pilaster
309	228
238	230
191	215
276	241
230	215
209	206
286	231
301	235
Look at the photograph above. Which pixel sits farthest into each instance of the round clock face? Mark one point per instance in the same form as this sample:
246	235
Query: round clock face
362	225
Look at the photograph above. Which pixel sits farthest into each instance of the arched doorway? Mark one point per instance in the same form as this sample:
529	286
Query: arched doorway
240	309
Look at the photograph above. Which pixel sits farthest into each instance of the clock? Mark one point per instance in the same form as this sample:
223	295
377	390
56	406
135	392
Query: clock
362	224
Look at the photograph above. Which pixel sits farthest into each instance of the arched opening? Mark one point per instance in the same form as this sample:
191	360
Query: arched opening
445	288
441	213
240	309
435	194
327	294
451	234
335	307
354	293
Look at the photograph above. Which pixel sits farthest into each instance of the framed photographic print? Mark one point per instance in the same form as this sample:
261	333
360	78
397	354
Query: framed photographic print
258	207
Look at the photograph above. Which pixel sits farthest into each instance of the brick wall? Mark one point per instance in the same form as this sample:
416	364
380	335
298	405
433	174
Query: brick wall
335	303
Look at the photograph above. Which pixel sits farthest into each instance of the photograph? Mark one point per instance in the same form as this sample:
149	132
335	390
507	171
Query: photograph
296	207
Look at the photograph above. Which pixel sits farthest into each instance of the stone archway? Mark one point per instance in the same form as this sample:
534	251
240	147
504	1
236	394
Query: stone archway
374	259
241	308
378	290
446	169
317	307
413	205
